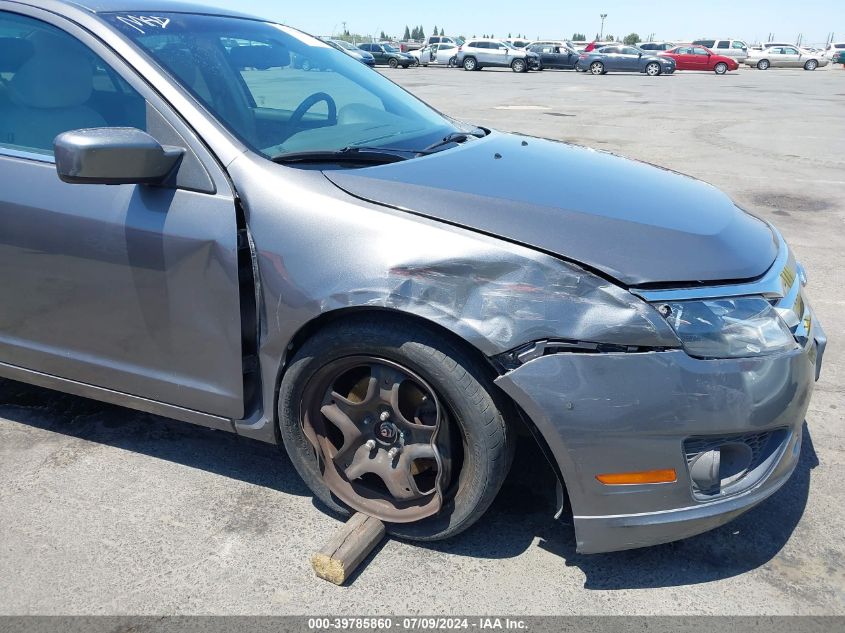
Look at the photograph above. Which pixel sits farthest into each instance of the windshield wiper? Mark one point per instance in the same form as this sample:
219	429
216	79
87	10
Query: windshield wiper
369	155
454	137
374	154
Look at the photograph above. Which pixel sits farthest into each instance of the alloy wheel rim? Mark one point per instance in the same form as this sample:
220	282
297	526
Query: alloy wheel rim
382	437
596	68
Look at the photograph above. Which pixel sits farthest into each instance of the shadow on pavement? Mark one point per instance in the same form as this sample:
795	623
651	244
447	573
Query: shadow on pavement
520	516
213	451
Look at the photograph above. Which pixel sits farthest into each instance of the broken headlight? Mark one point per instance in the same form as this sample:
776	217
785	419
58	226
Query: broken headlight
728	328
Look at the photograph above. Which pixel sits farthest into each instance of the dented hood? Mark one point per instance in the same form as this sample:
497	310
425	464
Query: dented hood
635	222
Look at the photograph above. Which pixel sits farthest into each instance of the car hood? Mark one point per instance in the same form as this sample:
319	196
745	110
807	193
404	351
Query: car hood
634	222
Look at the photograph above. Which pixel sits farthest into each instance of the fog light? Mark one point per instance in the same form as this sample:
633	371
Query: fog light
716	469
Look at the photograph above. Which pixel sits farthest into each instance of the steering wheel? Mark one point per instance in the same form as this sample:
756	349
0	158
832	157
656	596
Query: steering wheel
308	103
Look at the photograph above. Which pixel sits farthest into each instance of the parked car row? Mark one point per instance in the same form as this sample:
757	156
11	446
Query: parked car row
650	58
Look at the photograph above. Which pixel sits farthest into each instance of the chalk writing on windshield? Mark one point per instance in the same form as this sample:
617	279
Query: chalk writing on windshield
142	22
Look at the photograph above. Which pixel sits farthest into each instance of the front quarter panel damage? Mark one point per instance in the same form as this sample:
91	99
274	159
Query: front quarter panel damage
321	251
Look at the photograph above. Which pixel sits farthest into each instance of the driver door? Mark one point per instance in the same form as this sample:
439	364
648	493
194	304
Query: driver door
499	54
127	288
629	59
700	58
791	57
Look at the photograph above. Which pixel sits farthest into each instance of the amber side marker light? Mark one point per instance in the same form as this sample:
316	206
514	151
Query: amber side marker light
666	476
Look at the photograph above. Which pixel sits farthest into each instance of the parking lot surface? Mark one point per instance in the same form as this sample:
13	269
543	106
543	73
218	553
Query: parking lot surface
106	510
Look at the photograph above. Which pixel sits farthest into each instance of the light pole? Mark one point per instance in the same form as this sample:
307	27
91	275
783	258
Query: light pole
601	36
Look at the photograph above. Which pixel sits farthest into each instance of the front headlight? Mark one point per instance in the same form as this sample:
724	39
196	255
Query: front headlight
728	328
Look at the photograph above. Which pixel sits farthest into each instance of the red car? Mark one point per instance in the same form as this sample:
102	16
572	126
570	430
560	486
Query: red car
700	58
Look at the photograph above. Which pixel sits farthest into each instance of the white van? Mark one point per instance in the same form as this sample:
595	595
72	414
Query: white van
730	48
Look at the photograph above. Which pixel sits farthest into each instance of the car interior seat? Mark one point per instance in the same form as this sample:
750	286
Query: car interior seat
48	93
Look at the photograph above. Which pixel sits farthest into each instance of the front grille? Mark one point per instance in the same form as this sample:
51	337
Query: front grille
694	446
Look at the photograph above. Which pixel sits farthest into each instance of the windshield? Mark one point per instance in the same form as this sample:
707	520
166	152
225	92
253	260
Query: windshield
261	81
346	45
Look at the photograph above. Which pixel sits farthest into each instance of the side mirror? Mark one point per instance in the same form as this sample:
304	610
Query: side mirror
114	156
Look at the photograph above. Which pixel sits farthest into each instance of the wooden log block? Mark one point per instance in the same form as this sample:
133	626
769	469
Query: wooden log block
336	561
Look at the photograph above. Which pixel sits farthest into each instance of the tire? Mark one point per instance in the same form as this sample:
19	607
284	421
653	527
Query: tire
763	64
519	66
417	63
393	62
453	62
811	64
460	383
596	68
470	63
652	69
721	68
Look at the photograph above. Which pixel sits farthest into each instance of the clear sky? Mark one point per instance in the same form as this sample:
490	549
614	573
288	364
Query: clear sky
750	20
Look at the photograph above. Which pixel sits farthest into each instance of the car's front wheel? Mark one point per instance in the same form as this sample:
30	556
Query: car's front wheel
519	66
470	63
393	62
398	421
597	68
721	68
763	64
652	69
811	64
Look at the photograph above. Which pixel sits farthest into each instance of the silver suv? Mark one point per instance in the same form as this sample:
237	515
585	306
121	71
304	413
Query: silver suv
477	53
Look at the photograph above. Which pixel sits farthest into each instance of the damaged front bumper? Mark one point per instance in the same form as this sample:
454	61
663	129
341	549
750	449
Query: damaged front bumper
633	412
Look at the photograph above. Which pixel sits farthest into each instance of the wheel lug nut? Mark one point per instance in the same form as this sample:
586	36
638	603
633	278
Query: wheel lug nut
371	444
385	416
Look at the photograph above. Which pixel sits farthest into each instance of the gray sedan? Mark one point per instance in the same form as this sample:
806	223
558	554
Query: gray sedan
625	59
194	228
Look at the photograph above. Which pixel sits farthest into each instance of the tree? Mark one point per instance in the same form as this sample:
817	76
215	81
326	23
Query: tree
631	38
442	32
407	35
610	38
509	35
434	31
579	37
422	33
